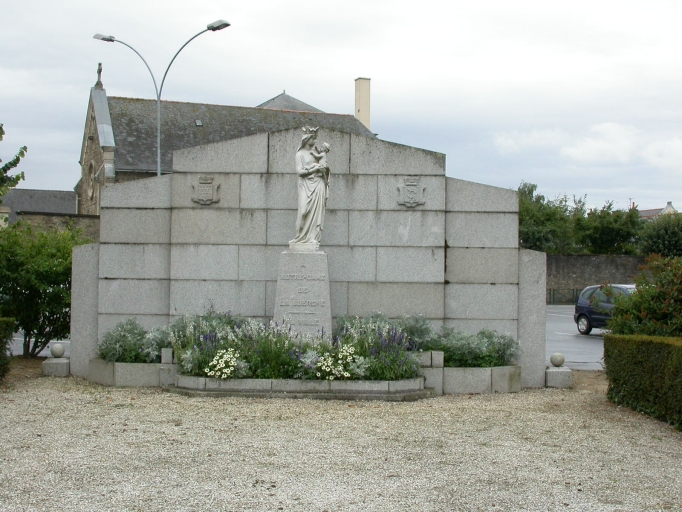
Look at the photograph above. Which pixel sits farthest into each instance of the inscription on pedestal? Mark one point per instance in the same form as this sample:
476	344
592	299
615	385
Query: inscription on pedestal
303	294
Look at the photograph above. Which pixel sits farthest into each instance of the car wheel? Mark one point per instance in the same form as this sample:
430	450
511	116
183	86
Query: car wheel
584	325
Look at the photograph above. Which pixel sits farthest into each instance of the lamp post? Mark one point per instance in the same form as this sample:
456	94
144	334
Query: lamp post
213	27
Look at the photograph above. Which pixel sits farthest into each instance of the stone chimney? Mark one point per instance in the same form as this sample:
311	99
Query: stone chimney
362	101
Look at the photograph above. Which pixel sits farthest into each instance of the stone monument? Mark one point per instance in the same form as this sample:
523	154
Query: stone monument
303	293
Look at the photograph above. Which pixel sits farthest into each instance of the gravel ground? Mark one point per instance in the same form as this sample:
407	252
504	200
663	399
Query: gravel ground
66	444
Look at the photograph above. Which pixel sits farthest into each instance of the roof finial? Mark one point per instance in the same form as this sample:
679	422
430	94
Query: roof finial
99	84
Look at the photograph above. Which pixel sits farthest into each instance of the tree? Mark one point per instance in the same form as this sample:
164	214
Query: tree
547	225
663	236
35	282
7	180
655	309
608	231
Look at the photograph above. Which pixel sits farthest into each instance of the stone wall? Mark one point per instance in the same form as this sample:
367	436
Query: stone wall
579	271
401	238
89	224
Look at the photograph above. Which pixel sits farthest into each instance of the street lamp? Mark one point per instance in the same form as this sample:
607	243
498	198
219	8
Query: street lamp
213	27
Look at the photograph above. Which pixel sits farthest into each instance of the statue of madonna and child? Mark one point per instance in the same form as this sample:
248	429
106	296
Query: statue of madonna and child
313	190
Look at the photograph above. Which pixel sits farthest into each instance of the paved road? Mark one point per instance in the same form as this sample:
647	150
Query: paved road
581	352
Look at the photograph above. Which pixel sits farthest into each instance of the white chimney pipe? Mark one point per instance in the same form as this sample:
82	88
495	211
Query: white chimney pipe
362	101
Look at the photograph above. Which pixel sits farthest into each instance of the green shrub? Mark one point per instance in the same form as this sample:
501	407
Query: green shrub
645	374
6	331
482	350
129	343
663	236
655	309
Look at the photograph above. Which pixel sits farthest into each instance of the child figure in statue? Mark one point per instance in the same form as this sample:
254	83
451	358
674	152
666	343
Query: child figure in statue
313	189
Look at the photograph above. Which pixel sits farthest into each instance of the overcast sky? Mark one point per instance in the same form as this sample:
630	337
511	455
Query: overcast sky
580	97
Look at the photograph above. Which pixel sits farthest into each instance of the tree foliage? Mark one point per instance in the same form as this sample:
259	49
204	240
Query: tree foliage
663	236
35	282
562	226
655	309
7	180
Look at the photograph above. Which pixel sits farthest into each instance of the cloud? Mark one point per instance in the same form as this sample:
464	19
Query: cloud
516	141
665	154
614	143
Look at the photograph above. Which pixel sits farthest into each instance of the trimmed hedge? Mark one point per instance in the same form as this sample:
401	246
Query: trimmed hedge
6	331
645	374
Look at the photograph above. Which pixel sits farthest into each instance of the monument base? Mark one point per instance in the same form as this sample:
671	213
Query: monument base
303	295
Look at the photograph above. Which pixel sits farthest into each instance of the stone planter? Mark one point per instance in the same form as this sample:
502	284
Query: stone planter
131	374
500	379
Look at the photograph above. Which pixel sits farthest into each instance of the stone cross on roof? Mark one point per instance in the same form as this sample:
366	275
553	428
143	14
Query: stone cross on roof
99	84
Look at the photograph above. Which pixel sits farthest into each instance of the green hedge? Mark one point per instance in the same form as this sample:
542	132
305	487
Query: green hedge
645	374
6	331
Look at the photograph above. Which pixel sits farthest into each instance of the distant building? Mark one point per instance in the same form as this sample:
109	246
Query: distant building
39	201
653	214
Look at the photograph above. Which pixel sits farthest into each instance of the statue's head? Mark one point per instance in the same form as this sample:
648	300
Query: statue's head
309	134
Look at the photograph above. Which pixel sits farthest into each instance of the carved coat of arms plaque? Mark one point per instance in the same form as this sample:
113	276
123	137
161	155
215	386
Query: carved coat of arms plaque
411	194
205	191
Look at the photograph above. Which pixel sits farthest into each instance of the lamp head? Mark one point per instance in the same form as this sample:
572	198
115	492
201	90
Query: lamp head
101	37
217	25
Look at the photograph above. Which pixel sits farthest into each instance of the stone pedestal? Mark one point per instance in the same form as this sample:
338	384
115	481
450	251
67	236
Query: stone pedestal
303	295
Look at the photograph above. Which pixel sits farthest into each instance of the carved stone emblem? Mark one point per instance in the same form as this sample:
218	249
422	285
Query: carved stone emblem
411	194
205	191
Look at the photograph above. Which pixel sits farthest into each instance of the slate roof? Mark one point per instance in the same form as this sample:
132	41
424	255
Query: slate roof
286	102
134	127
39	201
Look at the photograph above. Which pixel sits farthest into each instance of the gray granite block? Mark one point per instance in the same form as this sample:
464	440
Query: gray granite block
197	297
296	385
437	357
352	263
424	358
220	227
506	379
187	382
473	326
281	227
134	261
395	386
134	226
561	377
396	299
396	229
479	265
466	196
405	193
339	293
410	264
214	262
482	230
84	318
238	384
359	386
374	156
56	367
225	190
243	155
270	294
532	322
271	191
136	375
466	380
433	378
133	296
148	193
101	372
167	373
166	356
481	301
259	262
352	192
283	146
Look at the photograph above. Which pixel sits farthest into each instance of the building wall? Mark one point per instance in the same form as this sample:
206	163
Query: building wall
88	224
92	162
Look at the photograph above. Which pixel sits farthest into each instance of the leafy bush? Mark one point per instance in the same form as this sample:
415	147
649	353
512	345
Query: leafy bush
6	331
483	350
655	309
663	236
645	373
129	343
